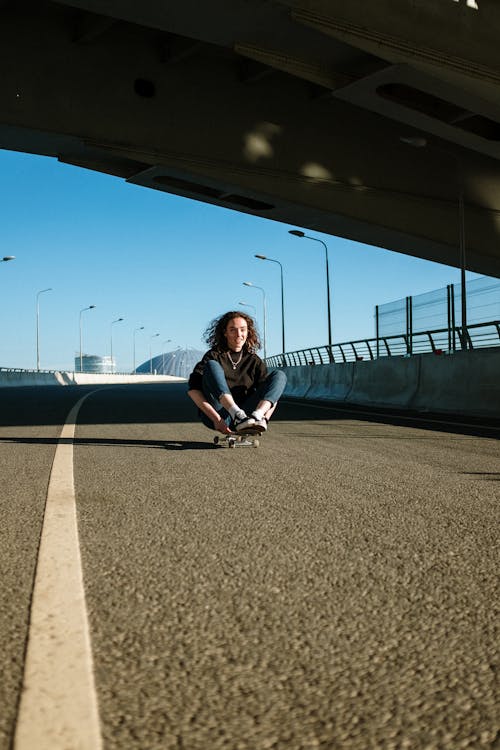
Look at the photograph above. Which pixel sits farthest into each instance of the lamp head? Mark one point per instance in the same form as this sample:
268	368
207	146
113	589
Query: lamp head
247	283
262	257
296	232
8	257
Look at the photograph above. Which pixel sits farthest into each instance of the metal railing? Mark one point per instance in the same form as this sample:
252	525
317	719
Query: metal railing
440	341
24	369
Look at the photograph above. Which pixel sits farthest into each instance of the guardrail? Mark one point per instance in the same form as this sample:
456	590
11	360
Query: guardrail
24	369
73	372
440	341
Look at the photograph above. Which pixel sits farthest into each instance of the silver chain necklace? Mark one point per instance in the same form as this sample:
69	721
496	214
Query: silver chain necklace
235	364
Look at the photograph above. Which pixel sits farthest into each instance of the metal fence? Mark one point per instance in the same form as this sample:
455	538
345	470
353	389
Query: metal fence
439	309
438	341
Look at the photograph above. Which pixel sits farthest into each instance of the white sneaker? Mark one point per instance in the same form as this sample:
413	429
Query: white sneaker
244	424
261	425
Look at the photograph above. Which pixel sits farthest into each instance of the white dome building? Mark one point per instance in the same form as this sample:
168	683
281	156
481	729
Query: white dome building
179	362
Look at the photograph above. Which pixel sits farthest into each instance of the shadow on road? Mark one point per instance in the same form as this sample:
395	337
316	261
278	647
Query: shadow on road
171	445
488	476
165	403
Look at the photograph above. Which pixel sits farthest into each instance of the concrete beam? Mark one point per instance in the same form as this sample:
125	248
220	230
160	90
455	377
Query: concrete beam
332	164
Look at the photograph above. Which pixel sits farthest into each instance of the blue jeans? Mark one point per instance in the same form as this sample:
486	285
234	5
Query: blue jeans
214	385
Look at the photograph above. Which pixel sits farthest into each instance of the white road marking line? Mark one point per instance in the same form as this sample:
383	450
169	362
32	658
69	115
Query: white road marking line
58	708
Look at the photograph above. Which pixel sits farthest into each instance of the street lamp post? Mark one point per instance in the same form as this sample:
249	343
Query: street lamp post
254	286
90	307
421	142
118	320
141	328
271	260
298	233
150	355
38	326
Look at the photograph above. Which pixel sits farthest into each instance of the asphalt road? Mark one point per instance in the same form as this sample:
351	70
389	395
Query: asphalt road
336	588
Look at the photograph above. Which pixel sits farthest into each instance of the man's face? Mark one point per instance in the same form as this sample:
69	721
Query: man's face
236	333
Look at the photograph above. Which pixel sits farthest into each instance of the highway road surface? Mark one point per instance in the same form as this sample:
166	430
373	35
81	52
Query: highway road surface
335	588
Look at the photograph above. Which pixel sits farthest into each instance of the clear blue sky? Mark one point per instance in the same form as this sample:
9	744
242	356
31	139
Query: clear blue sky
171	265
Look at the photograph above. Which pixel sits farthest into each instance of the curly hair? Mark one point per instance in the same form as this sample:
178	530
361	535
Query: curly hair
214	334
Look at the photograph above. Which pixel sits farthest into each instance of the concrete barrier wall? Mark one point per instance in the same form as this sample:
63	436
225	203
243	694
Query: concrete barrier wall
391	382
466	383
11	378
16	379
298	381
88	378
327	381
462	383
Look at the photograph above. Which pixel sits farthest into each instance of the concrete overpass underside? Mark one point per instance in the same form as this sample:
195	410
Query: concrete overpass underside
286	109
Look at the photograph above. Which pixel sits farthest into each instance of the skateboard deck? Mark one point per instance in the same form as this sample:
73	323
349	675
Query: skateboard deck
243	440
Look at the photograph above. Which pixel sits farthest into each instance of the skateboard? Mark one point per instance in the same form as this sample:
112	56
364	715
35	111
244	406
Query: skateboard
244	440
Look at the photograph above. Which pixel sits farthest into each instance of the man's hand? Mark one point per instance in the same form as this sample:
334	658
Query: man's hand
221	426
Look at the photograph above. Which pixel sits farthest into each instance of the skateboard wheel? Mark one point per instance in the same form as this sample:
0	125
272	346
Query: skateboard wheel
255	443
216	439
